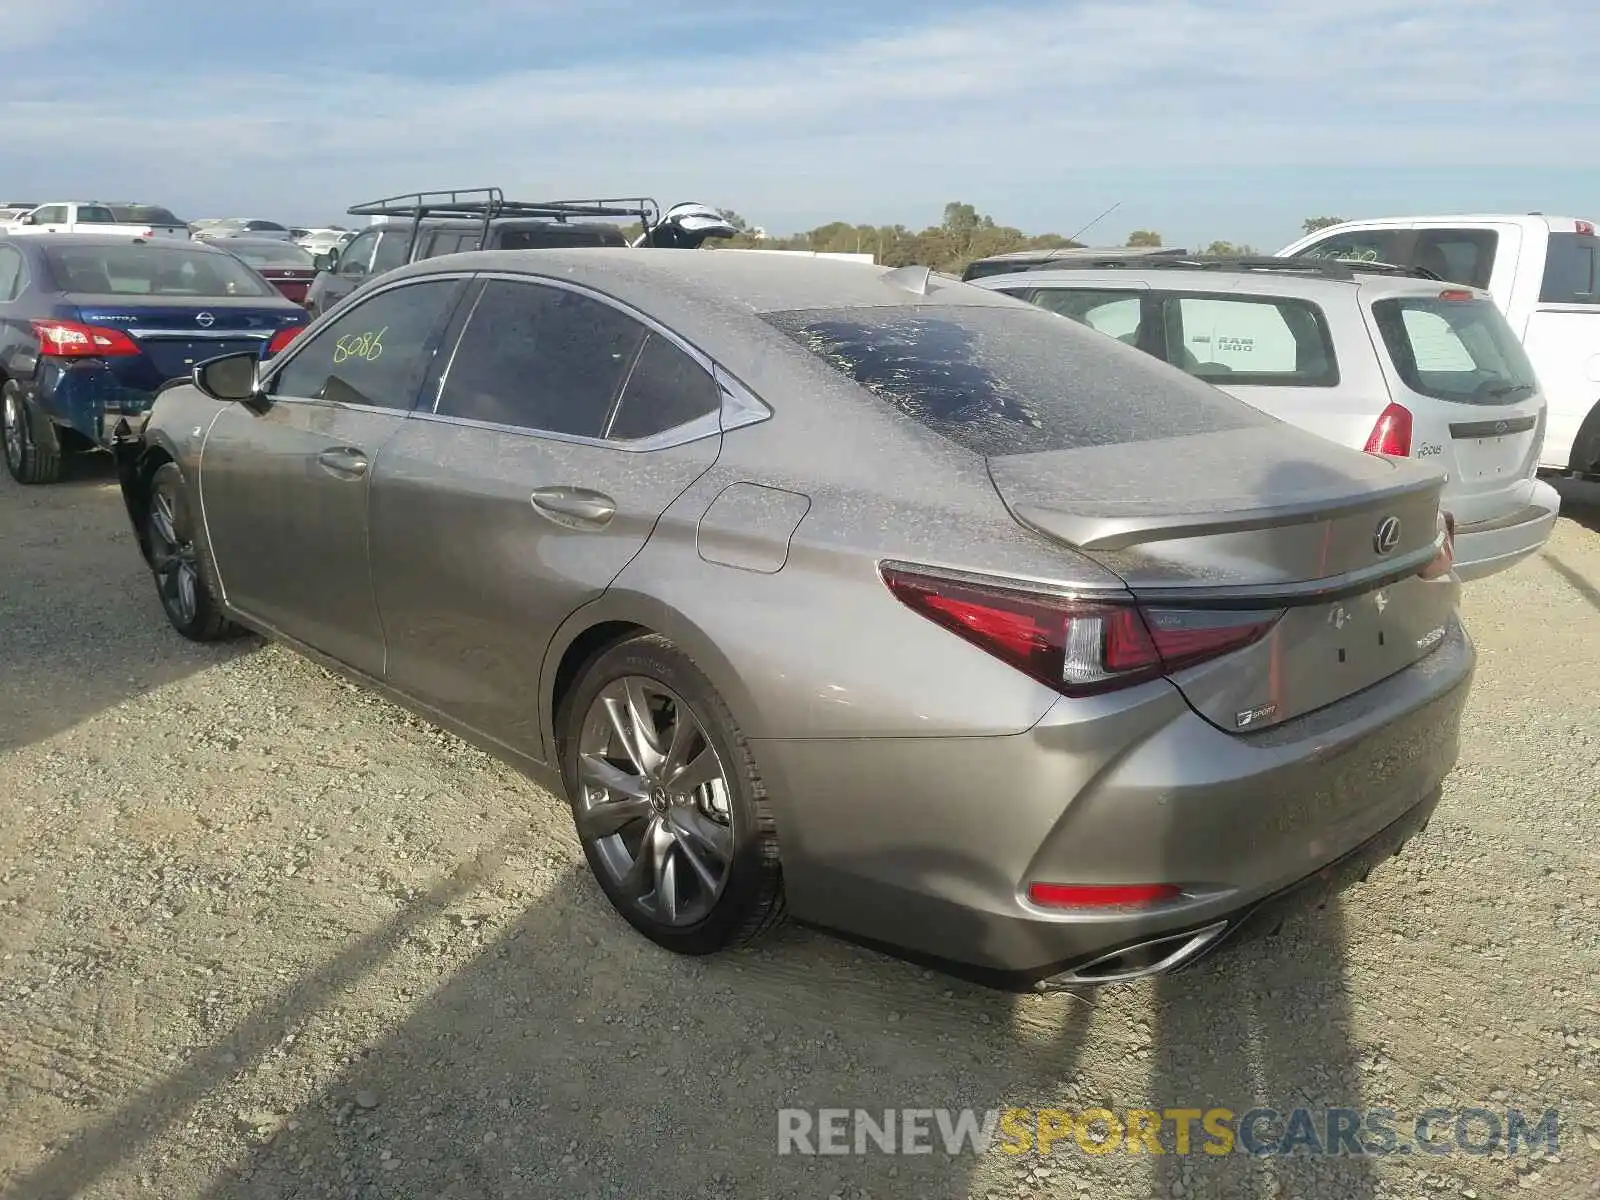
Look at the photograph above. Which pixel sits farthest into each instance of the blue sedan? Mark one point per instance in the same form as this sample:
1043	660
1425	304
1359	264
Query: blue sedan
92	326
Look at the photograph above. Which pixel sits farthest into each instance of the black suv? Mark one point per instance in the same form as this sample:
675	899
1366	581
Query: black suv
428	224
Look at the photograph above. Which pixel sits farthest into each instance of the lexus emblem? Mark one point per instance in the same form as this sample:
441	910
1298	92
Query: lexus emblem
1387	536
205	320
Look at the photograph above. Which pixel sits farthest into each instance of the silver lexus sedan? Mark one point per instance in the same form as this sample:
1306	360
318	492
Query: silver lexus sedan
823	589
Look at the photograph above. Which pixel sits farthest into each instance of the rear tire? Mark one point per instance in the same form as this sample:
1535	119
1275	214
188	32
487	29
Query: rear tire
668	804
28	461
183	581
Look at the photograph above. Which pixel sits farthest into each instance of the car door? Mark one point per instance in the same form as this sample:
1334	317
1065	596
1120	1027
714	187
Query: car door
563	427
284	490
52	218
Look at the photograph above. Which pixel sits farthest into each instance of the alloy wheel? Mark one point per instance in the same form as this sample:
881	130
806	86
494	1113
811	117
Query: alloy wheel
172	557
16	431
654	801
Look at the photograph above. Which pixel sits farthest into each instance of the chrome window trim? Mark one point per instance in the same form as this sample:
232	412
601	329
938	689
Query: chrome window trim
298	346
739	405
206	335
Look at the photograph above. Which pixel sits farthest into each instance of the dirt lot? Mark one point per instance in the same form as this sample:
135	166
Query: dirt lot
265	936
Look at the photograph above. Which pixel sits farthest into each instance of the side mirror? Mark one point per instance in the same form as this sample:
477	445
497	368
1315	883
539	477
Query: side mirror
231	378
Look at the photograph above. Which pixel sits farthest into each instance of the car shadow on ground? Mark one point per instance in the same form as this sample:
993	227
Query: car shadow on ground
563	1061
83	630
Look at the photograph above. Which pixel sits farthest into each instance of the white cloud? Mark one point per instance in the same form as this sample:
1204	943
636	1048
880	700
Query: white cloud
987	102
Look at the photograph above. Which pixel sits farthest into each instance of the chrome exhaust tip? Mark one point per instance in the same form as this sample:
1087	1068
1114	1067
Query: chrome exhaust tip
1158	956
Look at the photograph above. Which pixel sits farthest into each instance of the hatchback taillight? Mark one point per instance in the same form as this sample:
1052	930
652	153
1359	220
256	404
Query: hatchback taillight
1392	433
1079	646
70	339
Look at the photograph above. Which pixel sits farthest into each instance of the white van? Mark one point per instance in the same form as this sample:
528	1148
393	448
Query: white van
1544	275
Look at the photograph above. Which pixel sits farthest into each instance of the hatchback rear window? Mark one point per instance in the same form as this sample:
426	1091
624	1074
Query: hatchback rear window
1571	270
1011	380
1457	350
152	270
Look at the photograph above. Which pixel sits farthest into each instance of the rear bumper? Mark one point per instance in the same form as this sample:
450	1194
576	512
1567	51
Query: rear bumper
1487	547
925	846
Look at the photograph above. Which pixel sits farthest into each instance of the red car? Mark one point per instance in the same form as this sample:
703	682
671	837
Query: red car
286	266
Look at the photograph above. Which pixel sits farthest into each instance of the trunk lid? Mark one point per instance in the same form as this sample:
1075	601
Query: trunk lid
1261	520
173	338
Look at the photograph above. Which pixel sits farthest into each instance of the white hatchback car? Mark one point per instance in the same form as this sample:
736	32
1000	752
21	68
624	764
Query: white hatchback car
1387	359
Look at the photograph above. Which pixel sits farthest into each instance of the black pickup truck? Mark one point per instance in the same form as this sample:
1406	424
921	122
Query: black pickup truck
422	225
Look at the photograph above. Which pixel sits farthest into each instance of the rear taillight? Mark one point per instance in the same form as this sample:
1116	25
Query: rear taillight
69	339
1584	228
1078	646
283	337
1445	560
1392	434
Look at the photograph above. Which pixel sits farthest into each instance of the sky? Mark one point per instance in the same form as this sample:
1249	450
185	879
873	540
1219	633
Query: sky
1201	119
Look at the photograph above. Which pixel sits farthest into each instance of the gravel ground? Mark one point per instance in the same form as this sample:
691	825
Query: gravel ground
264	935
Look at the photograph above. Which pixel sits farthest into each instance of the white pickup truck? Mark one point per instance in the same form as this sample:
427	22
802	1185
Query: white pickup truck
71	216
1544	274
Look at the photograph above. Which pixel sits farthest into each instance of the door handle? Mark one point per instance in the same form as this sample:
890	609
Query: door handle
344	461
575	507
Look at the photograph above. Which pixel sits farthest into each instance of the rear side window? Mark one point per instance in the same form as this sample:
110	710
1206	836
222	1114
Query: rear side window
552	234
1571	270
1457	350
666	389
1009	379
95	214
392	246
1115	314
10	274
1268	341
541	358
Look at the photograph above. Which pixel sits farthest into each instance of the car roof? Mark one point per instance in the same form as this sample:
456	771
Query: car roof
714	298
1217	279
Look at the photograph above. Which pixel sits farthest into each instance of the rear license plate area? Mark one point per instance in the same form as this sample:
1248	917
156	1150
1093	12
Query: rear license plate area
1483	458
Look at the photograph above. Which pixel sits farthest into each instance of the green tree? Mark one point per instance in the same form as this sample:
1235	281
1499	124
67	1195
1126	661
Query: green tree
1144	237
1312	224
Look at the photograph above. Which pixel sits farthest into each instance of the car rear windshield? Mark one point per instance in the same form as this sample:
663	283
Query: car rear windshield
1571	269
151	270
1457	350
143	214
273	254
1006	380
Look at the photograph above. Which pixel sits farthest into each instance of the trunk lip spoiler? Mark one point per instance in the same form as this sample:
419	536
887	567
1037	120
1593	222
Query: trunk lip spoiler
1109	530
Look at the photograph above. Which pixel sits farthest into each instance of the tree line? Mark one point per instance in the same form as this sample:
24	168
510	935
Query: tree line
962	236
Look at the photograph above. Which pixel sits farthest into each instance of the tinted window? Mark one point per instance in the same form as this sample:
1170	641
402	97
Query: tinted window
1459	350
267	226
1464	256
271	254
451	242
1370	245
666	389
1267	341
376	353
95	214
152	269
357	256
1571	270
1115	314
1011	380
143	214
541	358
10	273
392	246
535	237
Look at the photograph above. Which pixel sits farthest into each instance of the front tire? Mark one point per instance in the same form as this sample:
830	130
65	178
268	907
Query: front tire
182	581
28	461
667	801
